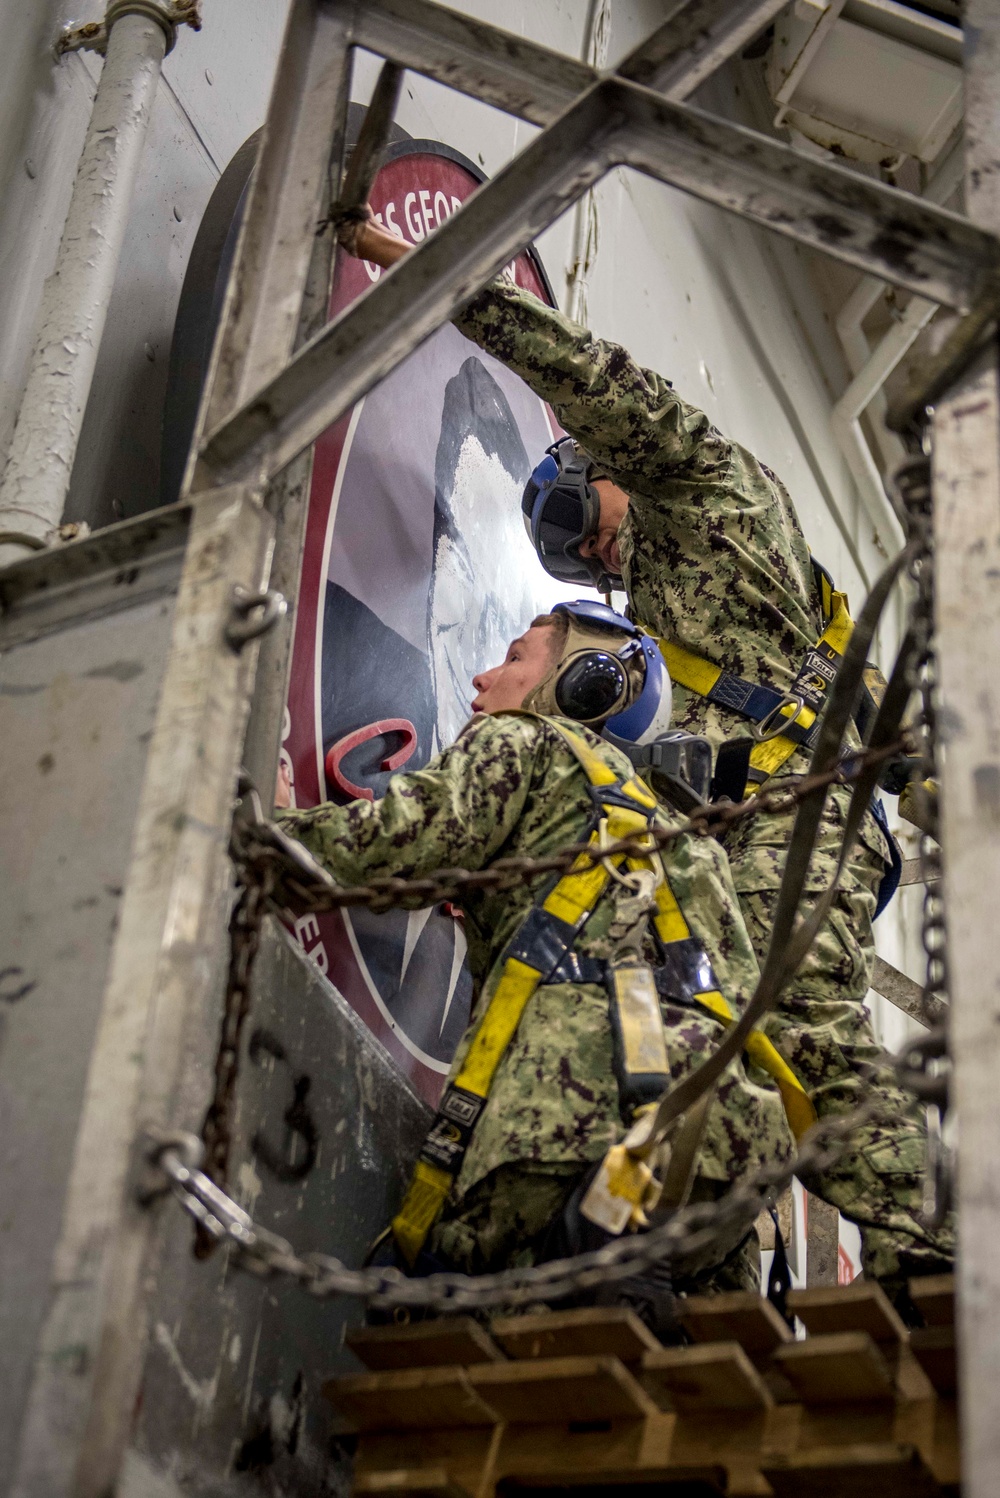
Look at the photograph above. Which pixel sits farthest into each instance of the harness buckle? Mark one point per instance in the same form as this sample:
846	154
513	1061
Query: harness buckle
774	725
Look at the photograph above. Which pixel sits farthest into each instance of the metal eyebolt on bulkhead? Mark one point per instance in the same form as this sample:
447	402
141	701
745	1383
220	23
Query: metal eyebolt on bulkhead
242	627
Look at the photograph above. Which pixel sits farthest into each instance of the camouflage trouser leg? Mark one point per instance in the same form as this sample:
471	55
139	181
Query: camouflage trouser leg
824	1032
501	1222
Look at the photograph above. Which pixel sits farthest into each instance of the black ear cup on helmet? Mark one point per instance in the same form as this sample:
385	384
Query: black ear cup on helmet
592	685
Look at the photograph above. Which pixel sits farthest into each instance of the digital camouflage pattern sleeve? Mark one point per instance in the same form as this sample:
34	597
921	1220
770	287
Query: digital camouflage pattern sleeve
509	785
712	551
713	555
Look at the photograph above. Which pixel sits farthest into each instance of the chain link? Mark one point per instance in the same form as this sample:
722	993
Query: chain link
262	848
276	873
273	871
691	1231
245	927
924	1066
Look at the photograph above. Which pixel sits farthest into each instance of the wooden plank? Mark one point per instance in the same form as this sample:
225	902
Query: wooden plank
452	1342
714	1376
410	1399
934	1349
836	1369
739	1316
559	1390
881	1470
409	1482
666	1482
590	1331
934	1298
860	1307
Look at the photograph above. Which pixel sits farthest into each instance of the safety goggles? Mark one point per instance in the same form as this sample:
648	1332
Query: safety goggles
561	509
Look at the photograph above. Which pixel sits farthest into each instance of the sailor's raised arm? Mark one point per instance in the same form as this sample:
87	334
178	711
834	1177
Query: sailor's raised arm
629	419
455	813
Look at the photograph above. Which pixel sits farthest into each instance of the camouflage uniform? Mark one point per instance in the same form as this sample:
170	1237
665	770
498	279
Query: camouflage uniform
713	558
510	786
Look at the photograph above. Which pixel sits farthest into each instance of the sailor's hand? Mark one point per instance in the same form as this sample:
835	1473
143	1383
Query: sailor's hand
363	238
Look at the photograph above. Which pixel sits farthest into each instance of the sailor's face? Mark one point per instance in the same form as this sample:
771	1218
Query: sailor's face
527	662
604	542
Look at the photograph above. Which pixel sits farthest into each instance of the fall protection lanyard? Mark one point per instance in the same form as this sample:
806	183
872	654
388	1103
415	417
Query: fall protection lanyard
673	929
545	937
785	721
542	941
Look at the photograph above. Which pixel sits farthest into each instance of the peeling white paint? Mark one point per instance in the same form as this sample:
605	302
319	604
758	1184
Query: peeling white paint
248	1186
201	1392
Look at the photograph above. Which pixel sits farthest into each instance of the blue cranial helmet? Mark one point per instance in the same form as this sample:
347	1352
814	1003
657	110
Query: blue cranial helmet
595	683
561	508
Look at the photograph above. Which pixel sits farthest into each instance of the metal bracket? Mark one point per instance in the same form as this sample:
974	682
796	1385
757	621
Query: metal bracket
241	627
92	36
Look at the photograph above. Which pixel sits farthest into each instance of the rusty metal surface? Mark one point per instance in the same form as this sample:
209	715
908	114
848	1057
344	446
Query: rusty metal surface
230	1395
161	977
84	635
907	995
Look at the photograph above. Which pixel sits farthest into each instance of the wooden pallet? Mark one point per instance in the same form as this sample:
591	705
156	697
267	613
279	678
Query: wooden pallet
588	1400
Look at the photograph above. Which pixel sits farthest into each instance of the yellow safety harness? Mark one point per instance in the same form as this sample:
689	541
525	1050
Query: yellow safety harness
783	721
544	940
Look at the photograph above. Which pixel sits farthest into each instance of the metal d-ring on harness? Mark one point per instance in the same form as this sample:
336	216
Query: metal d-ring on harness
542	952
779	722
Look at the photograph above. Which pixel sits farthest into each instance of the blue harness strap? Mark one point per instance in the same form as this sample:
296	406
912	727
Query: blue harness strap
892	876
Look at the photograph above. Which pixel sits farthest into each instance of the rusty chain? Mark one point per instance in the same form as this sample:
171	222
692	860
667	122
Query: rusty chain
688	1232
923	1065
301	882
274	871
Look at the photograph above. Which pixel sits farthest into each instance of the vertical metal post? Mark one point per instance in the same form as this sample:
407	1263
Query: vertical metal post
78	293
301	149
967	539
822	1242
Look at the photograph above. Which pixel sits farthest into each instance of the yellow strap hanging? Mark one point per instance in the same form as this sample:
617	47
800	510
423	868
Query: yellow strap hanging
671	924
571	901
798	1105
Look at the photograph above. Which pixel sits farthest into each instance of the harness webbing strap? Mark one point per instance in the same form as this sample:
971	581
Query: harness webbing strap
758	703
799	1109
545	937
672	927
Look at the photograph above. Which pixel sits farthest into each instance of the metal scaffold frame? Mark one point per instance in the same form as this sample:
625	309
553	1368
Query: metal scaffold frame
266	401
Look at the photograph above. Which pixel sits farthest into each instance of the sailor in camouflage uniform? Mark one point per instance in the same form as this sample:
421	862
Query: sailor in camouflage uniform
511	786
707	544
